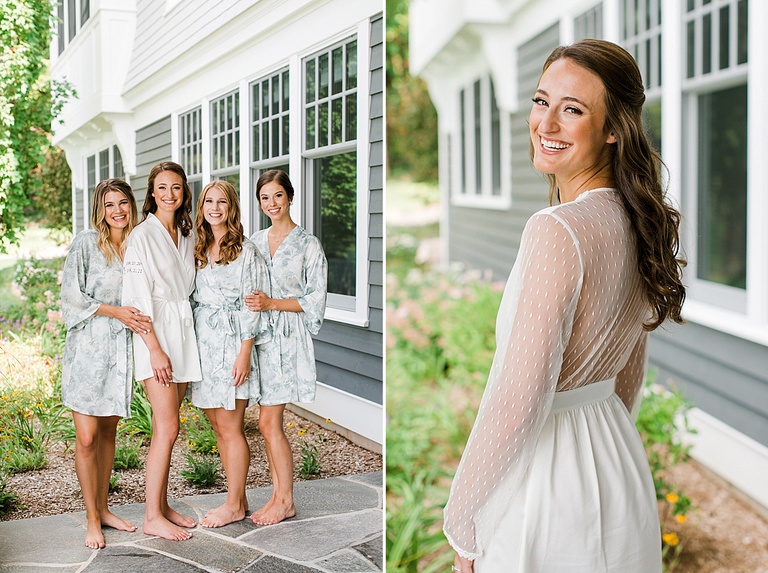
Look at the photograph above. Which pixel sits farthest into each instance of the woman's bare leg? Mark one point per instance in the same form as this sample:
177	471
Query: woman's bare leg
236	458
159	518
105	452
280	506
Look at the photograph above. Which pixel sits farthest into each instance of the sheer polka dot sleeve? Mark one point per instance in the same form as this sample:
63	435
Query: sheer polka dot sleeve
533	328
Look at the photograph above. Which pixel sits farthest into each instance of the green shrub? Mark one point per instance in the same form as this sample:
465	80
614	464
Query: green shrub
140	422
201	439
310	464
7	497
128	453
202	470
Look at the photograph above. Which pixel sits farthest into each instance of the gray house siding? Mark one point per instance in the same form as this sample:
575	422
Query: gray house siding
490	238
721	374
153	145
187	23
349	358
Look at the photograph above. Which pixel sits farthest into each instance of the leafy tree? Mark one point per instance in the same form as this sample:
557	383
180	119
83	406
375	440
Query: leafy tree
52	197
411	117
28	103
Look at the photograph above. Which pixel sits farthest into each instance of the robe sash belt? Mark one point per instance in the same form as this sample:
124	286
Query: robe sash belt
178	311
223	318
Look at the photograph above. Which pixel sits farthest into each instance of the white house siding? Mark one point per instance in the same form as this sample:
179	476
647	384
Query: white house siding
720	357
153	145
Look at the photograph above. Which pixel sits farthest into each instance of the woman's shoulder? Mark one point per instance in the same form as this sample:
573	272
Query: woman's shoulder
84	240
307	237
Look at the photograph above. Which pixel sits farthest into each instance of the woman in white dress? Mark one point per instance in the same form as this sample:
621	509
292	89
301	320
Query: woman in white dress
554	476
159	276
228	269
298	274
97	370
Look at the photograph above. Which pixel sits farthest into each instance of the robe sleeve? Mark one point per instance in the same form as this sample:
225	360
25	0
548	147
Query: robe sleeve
76	305
533	329
313	300
137	281
629	382
255	276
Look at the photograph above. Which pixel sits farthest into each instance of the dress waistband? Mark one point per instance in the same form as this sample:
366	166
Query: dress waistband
588	394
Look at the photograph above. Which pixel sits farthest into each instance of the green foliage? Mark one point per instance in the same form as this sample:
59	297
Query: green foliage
660	421
411	117
39	281
140	421
114	483
52	197
28	103
128	453
202	470
7	497
310	464
201	439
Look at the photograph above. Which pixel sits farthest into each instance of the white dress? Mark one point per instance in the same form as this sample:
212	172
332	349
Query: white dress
554	477
158	279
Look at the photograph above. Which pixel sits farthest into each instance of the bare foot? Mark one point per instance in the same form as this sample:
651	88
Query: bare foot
161	527
222	515
273	513
111	520
94	538
181	520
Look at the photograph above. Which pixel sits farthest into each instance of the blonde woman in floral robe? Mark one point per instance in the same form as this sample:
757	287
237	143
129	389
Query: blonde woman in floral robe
298	277
97	370
228	269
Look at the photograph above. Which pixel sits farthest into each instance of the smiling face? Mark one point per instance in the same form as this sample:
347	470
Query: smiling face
274	201
567	125
168	191
117	210
216	208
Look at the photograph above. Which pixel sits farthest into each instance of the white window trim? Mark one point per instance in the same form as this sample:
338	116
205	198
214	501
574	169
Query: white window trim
752	323
469	196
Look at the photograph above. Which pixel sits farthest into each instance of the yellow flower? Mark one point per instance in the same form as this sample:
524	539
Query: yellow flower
670	539
328	420
290	425
672	497
681	518
302	432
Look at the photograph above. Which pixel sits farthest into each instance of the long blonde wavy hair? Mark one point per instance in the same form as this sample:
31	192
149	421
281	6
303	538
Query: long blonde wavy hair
637	173
99	217
231	244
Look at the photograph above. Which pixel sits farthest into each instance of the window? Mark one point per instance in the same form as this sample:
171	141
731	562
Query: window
225	138
102	165
483	145
330	151
191	150
589	24
71	15
270	133
641	36
715	194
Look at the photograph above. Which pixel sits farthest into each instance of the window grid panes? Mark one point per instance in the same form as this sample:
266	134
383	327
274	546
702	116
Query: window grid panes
716	37
270	119
104	164
71	15
117	163
641	36
330	96
480	145
589	24
191	142
225	135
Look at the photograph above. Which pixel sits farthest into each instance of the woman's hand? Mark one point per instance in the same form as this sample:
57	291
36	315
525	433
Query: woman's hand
462	565
133	319
161	367
242	368
258	301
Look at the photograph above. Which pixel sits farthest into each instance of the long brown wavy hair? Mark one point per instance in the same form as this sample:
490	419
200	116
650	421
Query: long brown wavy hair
231	244
637	174
99	217
182	216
